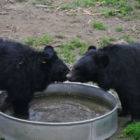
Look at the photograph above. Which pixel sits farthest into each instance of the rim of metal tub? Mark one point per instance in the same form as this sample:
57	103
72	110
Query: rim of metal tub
66	123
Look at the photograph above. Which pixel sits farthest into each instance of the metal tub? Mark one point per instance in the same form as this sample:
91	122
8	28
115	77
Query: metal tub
99	128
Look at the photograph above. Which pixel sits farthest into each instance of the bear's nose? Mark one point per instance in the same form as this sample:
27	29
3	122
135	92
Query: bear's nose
69	75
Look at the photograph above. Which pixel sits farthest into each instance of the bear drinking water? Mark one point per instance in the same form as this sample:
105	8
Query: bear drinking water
113	66
24	71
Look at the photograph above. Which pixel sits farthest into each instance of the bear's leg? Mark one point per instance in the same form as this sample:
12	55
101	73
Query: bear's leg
135	108
20	98
8	99
20	107
124	111
135	114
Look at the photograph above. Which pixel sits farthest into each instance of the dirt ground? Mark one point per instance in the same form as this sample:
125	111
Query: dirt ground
19	21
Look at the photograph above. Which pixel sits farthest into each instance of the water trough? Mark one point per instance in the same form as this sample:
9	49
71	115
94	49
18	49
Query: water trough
97	128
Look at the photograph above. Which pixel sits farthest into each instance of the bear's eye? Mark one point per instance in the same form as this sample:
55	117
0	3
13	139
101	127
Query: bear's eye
77	68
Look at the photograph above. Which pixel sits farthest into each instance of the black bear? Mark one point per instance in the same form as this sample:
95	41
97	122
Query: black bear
24	70
115	66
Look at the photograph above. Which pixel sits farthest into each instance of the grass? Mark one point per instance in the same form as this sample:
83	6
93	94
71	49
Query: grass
119	29
60	36
1	138
42	2
21	0
121	7
106	41
84	3
98	25
36	41
110	8
137	4
66	51
78	3
73	44
66	56
68	6
109	12
127	39
132	131
69	51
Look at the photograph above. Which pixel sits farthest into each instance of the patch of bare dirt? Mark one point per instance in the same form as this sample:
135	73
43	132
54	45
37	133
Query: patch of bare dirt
22	20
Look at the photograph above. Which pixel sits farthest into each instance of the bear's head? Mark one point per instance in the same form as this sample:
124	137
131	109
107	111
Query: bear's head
51	63
89	67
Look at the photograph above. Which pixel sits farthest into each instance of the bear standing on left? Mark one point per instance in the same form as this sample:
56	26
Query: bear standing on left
24	71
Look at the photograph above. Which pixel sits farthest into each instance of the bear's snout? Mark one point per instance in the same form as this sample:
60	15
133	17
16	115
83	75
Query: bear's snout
69	76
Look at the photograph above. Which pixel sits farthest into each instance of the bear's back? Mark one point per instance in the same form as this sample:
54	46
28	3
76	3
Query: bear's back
123	53
121	48
13	48
15	59
124	63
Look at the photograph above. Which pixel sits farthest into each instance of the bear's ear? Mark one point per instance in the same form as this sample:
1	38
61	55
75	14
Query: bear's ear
48	54
48	49
91	48
102	60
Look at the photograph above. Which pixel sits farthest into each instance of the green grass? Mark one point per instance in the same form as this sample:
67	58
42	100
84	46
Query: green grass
68	6
84	3
119	29
1	138
98	25
106	41
83	50
45	40
42	2
132	131
75	43
60	36
120	7
78	3
109	12
21	0
66	56
78	43
36	41
68	51
127	39
111	7
31	41
137	4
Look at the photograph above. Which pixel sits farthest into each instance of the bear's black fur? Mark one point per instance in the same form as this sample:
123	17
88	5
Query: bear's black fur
24	71
113	66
